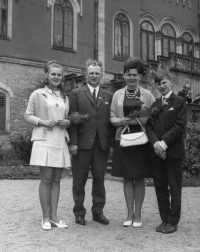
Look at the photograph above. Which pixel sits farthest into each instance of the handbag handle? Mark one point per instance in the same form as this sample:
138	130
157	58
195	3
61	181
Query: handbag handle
127	127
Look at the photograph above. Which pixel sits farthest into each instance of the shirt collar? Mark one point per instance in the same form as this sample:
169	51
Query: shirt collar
167	95
91	88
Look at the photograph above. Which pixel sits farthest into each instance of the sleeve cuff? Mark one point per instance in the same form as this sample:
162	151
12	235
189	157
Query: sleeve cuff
163	145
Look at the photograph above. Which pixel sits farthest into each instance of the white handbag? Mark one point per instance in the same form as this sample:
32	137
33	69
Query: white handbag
132	139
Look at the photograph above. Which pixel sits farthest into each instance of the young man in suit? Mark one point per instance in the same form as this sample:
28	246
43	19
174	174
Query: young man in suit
90	142
166	136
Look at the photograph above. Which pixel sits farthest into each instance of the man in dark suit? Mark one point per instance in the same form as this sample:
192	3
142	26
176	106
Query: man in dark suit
90	142
166	136
186	93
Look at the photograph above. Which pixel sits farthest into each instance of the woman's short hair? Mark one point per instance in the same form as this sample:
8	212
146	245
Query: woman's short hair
162	74
134	63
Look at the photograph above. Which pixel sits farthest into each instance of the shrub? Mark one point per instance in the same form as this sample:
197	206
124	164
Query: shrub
22	146
191	164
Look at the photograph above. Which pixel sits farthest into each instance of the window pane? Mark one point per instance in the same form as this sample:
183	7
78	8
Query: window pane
172	46
117	39
168	31
190	53
185	52
165	47
3	17
125	40
151	47
2	111
144	46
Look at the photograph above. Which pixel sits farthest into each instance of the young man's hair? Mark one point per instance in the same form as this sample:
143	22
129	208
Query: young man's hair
162	74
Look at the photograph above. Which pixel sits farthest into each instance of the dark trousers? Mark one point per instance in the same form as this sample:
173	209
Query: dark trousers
167	176
96	159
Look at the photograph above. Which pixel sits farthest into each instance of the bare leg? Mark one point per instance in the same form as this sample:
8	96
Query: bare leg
139	198
129	197
55	192
45	190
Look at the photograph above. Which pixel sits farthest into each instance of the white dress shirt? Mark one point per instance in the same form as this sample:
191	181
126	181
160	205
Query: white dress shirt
91	88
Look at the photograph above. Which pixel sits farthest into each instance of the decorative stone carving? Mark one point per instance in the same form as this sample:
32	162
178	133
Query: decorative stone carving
184	2
78	4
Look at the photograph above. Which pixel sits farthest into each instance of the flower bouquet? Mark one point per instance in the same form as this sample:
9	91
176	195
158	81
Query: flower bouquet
76	118
142	113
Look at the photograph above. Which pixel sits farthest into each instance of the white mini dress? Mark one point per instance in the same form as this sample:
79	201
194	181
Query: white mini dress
54	151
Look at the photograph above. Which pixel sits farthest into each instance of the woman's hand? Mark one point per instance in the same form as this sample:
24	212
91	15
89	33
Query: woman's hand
64	123
125	121
48	123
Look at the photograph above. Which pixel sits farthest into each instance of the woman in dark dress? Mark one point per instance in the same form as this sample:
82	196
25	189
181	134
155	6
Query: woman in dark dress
131	163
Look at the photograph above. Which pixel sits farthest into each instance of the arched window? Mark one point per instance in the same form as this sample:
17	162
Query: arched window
3	17
188	45
63	24
168	40
147	41
122	36
2	111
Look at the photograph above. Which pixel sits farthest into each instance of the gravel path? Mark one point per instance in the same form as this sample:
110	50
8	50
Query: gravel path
20	222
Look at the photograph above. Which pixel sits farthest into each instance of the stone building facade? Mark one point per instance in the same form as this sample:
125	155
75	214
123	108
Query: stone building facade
164	33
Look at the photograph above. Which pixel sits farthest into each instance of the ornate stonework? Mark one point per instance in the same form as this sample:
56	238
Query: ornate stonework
78	4
184	2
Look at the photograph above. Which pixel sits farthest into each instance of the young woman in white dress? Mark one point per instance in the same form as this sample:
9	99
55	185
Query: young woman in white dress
47	110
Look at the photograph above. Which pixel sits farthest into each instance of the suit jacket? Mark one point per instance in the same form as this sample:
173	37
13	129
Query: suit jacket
83	135
183	94
169	125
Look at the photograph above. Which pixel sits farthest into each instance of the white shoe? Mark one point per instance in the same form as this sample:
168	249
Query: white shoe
60	224
137	224
128	223
46	225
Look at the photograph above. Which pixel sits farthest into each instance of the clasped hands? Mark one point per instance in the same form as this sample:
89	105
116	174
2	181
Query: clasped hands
127	121
64	123
159	150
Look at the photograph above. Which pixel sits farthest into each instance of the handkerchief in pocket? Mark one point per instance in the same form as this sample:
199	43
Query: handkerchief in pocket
106	102
171	108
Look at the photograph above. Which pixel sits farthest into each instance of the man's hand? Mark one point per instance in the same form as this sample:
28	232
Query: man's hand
73	149
125	121
159	150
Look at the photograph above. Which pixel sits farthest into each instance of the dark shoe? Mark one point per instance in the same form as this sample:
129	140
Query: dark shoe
101	219
80	219
168	229
161	226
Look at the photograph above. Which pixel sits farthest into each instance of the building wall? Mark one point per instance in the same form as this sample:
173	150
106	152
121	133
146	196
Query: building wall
132	9
31	34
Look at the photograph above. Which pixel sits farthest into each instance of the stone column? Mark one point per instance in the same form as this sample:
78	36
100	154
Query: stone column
158	43
101	32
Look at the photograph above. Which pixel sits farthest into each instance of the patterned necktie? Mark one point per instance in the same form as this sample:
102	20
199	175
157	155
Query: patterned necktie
163	100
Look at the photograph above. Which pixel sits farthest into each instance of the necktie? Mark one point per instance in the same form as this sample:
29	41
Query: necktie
94	95
164	100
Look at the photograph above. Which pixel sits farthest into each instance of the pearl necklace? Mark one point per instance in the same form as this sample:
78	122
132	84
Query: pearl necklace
130	95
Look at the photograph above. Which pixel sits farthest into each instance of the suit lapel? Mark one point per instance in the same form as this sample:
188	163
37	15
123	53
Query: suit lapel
100	97
88	94
169	101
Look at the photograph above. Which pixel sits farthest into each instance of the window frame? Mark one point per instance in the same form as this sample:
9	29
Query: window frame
169	38
8	35
122	22
188	44
63	26
147	33
8	96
